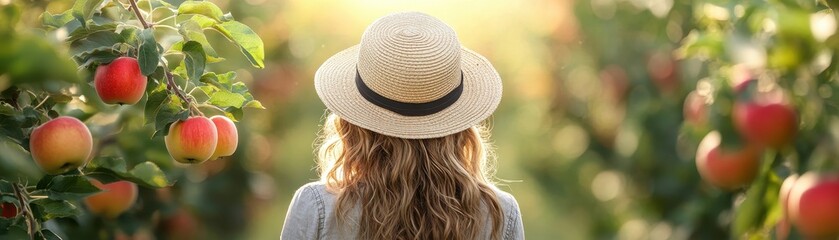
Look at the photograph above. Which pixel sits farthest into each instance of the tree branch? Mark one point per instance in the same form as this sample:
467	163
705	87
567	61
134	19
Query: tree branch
139	15
170	82
24	209
170	85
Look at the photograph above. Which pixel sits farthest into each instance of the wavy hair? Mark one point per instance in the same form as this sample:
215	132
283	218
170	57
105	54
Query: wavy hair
435	188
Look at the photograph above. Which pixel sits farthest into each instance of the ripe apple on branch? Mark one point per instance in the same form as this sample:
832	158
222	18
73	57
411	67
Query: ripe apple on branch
169	86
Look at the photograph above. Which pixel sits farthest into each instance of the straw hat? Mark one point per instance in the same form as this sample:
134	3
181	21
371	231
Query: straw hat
409	78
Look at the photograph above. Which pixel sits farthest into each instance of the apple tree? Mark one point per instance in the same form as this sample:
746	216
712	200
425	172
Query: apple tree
766	112
106	106
698	119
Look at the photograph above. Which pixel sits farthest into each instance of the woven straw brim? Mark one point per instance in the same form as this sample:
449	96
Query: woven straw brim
335	85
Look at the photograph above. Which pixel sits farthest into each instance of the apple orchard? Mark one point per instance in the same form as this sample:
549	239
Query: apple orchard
141	60
133	100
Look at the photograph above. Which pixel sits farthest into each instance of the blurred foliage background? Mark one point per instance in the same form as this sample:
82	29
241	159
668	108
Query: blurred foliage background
589	133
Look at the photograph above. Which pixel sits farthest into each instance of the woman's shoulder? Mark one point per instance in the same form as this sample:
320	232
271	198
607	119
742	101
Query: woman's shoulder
315	187
513	228
316	191
508	202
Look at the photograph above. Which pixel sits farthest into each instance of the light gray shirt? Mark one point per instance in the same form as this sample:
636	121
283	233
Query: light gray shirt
311	215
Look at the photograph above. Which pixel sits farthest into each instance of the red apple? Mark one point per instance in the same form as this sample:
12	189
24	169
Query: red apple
61	144
662	68
9	210
181	225
228	137
726	168
115	198
764	117
120	82
695	109
615	82
193	140
813	207
771	124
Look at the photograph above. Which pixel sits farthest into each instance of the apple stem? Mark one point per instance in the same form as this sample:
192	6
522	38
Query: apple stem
24	209
170	82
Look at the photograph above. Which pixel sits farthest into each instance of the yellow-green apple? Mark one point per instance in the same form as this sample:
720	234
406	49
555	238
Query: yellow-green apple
114	199
813	207
61	144
726	168
192	140
228	137
783	194
9	210
120	82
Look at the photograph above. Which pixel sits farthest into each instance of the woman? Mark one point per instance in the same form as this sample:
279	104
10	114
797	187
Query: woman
402	154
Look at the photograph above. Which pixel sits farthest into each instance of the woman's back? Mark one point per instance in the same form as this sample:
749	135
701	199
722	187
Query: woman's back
312	216
403	153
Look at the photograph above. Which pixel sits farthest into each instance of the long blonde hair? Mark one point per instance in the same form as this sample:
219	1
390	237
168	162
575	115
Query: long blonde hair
436	188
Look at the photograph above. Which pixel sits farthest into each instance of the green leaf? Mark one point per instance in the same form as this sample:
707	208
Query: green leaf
150	174
113	164
147	173
5	225
170	111
8	197
227	99
203	21
68	187
10	127
248	41
192	30
48	208
705	44
60	98
194	59
241	88
234	113
97	57
58	20
7	109
82	33
83	9
220	81
155	100
149	56
107	169
203	8
46	234
102	38
14	232
45	181
31	117
254	104
6	186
